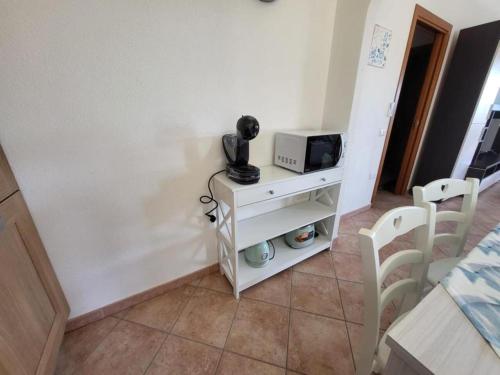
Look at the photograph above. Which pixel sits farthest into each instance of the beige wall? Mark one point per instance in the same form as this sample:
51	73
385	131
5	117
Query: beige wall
112	113
350	18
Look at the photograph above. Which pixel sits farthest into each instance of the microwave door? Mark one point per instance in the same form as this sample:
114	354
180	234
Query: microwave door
322	152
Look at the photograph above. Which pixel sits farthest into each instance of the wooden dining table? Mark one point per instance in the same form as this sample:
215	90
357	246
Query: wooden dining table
436	337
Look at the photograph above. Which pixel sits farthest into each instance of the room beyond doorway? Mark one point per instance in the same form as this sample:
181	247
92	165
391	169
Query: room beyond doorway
418	62
422	63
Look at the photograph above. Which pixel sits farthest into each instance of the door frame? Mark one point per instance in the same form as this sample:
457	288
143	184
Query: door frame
443	31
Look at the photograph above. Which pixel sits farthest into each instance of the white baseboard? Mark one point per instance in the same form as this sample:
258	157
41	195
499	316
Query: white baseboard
490	180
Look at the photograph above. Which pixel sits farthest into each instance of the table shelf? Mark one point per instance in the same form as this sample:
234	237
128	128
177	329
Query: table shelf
281	202
284	258
275	223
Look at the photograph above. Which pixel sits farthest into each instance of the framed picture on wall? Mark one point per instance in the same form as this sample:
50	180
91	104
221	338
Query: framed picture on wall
380	44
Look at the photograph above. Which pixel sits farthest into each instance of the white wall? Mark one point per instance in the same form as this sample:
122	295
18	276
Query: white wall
375	87
350	18
112	113
485	101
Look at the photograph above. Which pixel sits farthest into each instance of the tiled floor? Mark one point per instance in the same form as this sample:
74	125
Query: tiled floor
305	320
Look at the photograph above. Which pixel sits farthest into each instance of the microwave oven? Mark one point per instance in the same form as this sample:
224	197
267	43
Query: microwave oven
305	151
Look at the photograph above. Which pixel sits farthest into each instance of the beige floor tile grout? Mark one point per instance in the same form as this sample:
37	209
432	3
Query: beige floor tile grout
390	203
146	326
214	290
100	342
321	315
228	333
159	329
289	317
181	310
347	329
290	309
315	274
252	358
349	281
156	353
260	300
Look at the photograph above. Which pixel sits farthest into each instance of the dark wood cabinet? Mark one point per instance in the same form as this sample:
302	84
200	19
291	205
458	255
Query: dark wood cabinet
455	106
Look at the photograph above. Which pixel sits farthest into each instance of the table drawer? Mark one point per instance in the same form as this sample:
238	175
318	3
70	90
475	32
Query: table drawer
276	190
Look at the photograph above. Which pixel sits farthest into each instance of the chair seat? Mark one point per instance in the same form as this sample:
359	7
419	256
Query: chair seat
440	268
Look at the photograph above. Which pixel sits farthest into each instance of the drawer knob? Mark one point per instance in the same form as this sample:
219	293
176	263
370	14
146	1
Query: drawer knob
323	179
271	192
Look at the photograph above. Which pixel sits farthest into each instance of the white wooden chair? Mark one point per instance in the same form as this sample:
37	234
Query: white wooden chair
392	224
441	190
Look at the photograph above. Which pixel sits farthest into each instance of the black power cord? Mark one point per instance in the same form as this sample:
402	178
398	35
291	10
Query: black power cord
274	249
207	199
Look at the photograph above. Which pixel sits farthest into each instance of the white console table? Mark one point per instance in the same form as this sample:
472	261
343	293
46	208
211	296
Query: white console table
280	202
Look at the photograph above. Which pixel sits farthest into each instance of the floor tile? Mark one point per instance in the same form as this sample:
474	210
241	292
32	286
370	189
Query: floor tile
348	267
471	243
276	289
485	217
368	217
260	331
121	314
352	302
232	364
477	229
347	227
320	264
346	243
195	282
400	273
354	224
207	317
79	344
355	336
438	253
181	356
386	251
392	248
316	294
128	349
318	345
216	281
444	227
162	311
112	347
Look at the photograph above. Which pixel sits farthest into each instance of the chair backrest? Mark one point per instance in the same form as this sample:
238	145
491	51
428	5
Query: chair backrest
392	224
447	188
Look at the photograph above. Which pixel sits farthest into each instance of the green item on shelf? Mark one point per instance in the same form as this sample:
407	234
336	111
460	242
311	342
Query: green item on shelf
259	255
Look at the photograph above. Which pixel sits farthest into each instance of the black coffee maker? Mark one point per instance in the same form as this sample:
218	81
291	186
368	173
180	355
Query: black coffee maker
236	148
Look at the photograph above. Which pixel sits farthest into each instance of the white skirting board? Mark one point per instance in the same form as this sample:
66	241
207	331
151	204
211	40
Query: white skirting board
490	180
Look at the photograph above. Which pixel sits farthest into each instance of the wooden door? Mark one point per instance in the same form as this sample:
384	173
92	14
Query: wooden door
443	31
8	183
33	309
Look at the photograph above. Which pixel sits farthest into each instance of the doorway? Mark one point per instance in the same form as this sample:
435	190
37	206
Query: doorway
422	63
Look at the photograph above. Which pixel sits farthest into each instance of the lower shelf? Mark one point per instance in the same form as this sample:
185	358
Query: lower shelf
285	257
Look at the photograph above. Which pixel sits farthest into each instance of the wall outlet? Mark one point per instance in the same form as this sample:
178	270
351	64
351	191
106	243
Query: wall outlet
382	132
